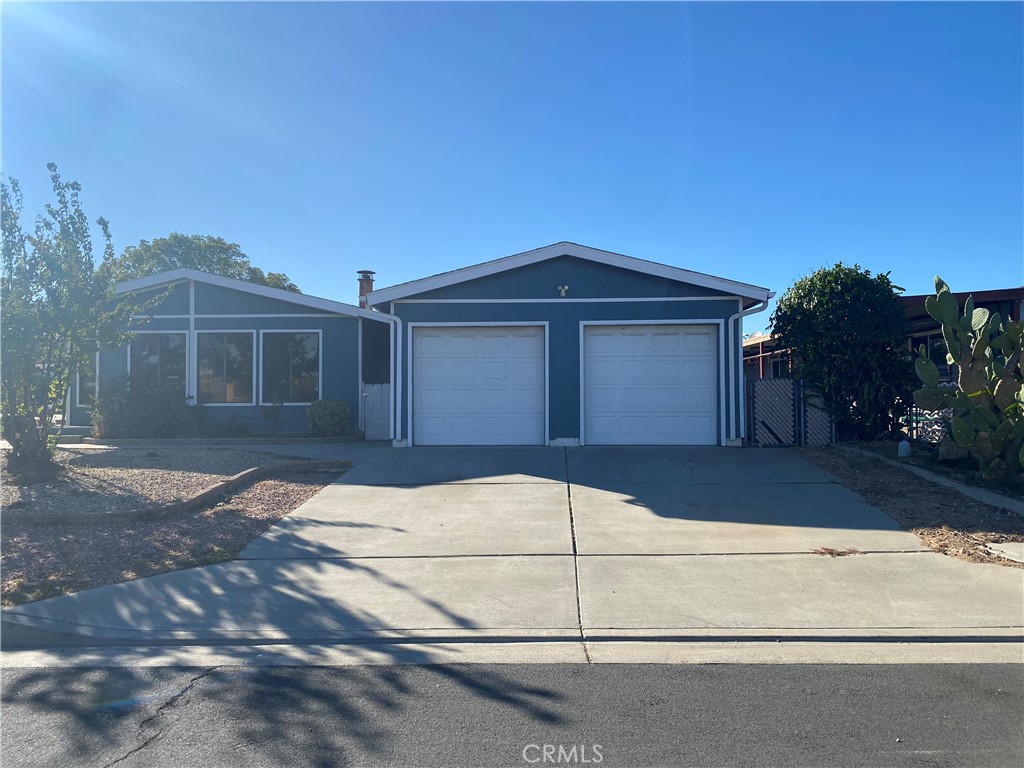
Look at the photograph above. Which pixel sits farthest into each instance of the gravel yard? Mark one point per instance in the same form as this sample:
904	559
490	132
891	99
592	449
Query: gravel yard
38	561
946	521
90	480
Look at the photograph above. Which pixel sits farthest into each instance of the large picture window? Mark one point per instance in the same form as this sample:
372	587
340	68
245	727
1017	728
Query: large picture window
157	362
225	367
291	367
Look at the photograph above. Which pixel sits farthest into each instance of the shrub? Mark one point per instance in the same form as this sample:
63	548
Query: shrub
273	415
327	418
120	411
847	331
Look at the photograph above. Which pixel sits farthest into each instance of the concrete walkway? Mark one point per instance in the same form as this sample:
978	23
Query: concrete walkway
572	547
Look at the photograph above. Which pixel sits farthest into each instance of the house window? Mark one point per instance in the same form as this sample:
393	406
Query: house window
86	384
780	367
226	367
291	367
157	362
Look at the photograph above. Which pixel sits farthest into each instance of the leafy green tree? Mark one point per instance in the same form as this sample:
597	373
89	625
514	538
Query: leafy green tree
58	308
847	331
203	252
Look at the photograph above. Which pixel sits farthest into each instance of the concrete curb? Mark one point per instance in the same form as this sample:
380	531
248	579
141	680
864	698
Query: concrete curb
979	494
356	437
161	511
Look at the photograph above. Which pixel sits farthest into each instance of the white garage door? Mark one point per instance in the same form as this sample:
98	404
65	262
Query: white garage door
650	385
478	386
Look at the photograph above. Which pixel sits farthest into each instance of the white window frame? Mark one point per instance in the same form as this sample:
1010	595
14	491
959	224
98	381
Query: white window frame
496	324
253	333
320	361
719	323
128	361
96	384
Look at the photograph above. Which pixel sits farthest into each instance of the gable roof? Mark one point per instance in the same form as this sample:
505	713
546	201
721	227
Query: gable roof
487	268
183	274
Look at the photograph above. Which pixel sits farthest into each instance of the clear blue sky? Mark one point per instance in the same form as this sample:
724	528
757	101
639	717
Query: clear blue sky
752	141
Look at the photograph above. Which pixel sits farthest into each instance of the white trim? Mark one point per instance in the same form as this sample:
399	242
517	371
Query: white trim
293	315
615	300
188	359
184	273
393	405
741	395
253	333
78	386
191	387
247	316
359	375
492	324
515	261
721	364
320	364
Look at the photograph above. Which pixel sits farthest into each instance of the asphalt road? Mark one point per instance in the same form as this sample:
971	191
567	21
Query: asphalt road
487	715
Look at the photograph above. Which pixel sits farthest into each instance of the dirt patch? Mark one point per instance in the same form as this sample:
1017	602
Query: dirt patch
96	480
926	456
38	561
946	521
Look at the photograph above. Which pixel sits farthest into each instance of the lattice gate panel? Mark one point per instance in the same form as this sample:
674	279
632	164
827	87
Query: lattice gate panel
773	412
817	422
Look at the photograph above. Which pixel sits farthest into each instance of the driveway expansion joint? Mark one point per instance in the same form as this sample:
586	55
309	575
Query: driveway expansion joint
575	557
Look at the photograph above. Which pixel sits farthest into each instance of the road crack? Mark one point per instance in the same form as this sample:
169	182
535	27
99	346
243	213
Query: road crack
170	703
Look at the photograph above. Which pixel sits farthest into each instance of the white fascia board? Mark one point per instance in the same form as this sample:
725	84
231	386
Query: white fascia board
302	299
488	268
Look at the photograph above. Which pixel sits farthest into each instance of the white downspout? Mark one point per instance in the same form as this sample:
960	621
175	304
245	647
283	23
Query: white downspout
736	361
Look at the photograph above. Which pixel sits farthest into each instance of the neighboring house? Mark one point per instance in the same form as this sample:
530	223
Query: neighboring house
570	345
925	330
236	347
563	345
763	358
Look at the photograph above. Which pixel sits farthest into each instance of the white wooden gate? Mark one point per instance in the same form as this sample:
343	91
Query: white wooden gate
376	411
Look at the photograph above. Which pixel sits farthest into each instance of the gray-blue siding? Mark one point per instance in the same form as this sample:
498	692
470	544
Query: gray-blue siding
339	352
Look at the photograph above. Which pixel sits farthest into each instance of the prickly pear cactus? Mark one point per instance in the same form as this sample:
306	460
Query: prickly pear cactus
988	402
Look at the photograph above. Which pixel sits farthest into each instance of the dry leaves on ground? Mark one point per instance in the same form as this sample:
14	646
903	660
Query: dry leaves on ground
946	521
40	561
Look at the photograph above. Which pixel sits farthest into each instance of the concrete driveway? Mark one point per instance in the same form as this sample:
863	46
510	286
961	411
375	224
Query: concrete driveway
553	544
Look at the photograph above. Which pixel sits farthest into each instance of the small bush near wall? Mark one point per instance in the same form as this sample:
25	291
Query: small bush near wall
327	418
120	412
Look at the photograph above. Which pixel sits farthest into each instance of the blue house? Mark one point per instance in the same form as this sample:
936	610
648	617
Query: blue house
563	345
237	347
570	345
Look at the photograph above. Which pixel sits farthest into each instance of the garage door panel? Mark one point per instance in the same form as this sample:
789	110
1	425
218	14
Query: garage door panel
651	385
667	371
494	345
670	343
460	343
700	370
478	386
530	345
700	343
